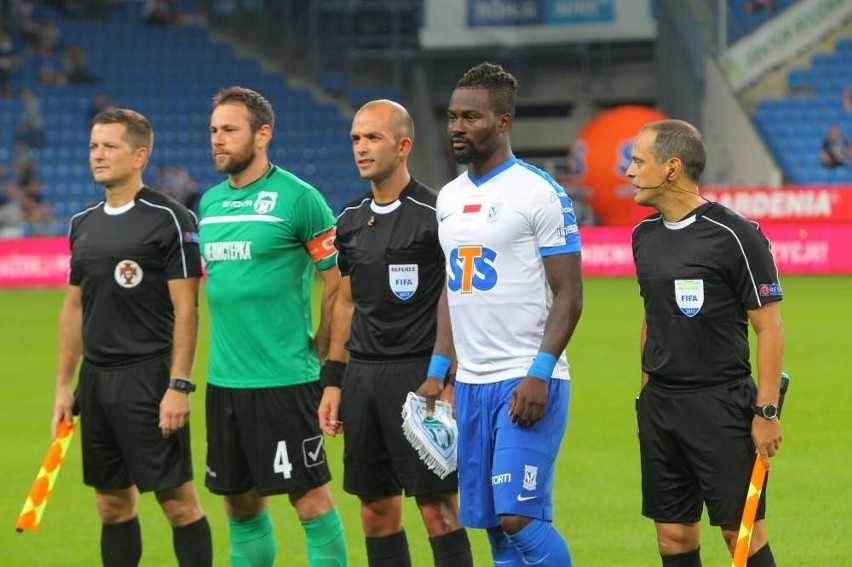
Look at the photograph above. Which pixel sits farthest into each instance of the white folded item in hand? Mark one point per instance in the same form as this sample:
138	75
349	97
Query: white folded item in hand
435	438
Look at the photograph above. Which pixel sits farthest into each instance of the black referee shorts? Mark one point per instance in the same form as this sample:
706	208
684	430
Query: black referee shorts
696	448
121	438
268	438
377	458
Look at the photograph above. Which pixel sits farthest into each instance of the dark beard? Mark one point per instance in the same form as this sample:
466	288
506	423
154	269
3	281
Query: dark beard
235	165
470	154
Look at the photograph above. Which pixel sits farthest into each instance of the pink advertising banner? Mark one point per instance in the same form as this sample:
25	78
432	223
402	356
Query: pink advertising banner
801	248
34	262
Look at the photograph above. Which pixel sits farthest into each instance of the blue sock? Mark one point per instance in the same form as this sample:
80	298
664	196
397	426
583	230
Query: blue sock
502	551
540	544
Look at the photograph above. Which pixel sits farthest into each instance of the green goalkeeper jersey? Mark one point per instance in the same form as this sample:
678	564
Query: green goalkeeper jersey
260	244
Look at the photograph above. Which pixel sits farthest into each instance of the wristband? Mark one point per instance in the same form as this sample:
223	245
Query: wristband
182	385
331	373
542	366
439	365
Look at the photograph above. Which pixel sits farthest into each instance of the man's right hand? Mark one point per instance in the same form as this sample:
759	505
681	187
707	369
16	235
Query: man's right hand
430	389
328	411
63	405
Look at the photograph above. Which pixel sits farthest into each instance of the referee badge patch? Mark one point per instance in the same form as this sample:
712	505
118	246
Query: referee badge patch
403	280
689	295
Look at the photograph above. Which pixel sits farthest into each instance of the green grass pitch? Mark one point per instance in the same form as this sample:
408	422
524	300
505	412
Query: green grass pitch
597	498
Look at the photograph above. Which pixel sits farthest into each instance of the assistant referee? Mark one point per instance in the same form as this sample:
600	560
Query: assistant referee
131	311
704	273
392	272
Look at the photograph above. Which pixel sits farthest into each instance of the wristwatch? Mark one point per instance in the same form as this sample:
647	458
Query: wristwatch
182	385
767	411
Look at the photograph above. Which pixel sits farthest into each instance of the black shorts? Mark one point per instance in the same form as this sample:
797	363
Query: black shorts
377	458
264	438
696	448
122	442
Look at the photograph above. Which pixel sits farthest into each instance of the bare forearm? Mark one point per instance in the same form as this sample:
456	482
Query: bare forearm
70	346
185	340
770	353
184	296
341	325
562	321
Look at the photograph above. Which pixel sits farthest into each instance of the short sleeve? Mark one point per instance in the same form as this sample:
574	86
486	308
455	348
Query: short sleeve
754	274
180	240
553	221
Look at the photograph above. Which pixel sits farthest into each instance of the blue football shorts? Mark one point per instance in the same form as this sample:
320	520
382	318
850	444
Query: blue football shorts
505	469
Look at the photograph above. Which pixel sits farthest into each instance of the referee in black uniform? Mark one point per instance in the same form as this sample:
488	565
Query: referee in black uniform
392	270
130	310
704	273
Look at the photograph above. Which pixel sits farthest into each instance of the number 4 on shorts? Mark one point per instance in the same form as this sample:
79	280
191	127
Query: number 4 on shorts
282	461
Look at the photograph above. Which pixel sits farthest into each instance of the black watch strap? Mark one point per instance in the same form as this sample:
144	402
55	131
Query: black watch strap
182	385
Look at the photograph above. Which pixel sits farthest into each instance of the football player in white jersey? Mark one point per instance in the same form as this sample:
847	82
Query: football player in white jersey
512	302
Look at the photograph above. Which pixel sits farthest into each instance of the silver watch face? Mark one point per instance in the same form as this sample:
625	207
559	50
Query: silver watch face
769	411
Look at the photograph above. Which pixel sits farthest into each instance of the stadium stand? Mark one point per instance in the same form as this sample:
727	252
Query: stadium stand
745	16
794	126
169	73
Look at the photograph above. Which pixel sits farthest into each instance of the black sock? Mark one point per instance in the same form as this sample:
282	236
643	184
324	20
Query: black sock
688	559
121	544
193	545
763	558
388	551
452	549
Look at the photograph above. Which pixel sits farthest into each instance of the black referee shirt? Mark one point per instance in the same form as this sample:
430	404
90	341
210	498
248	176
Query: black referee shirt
698	277
123	262
396	268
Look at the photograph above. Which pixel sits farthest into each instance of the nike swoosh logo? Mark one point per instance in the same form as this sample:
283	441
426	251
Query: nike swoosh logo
525	498
446	215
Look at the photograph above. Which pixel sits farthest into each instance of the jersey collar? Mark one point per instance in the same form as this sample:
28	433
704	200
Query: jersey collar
493	173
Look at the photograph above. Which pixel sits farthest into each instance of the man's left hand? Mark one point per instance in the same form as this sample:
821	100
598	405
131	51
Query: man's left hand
528	402
766	434
174	411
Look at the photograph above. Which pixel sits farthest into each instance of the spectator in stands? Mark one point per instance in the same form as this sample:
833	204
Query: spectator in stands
31	129
35	210
100	102
160	12
8	63
11	223
74	66
847	99
177	182
49	36
836	150
47	68
758	5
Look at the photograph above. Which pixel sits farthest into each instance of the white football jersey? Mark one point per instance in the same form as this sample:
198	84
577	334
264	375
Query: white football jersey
494	232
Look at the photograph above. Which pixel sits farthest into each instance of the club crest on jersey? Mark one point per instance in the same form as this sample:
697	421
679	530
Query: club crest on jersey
403	279
530	477
689	295
265	202
494	211
128	274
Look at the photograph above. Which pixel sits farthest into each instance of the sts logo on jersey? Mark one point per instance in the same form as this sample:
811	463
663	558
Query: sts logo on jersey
472	267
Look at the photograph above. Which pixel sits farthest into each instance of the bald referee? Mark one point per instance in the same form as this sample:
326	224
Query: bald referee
392	272
130	310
